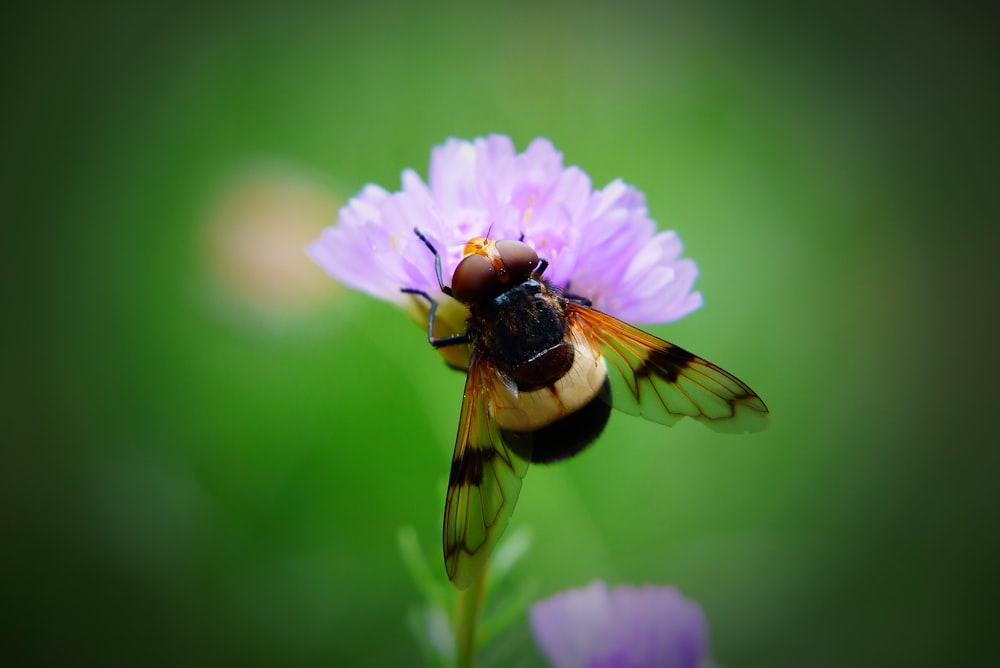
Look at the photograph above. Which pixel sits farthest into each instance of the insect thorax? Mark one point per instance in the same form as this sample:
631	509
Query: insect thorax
522	333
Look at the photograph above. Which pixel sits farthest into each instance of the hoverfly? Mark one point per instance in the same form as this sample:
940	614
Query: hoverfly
543	374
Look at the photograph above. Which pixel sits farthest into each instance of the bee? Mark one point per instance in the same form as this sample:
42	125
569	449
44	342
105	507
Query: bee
544	371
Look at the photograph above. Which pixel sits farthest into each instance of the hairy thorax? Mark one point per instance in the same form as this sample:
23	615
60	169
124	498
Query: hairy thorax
522	333
545	372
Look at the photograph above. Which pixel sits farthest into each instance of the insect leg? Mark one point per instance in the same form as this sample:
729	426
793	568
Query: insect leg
437	263
576	299
434	341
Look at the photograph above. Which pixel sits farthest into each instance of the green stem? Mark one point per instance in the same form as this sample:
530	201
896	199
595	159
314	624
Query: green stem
467	610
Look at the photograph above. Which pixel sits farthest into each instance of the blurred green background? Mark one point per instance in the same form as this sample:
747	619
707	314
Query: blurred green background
210	446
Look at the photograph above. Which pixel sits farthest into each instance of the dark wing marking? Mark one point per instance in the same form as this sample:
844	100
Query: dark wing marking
484	483
663	382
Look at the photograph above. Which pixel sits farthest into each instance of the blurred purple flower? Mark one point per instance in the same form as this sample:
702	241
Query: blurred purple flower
646	627
601	243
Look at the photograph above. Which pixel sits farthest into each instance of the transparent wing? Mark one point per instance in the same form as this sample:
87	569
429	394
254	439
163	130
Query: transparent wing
484	483
663	382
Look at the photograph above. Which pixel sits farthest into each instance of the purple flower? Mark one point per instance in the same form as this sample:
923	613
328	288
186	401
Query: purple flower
646	627
600	243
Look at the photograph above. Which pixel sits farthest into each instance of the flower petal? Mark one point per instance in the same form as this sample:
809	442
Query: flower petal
573	627
601	244
628	627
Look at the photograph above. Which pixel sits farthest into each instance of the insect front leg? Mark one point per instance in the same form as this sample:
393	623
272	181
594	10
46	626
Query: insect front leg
435	341
577	299
437	264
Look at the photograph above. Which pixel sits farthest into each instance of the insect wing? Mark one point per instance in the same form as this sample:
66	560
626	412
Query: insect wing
484	483
663	382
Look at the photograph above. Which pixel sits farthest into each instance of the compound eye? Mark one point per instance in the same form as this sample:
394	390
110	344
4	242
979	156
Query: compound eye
519	258
474	279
